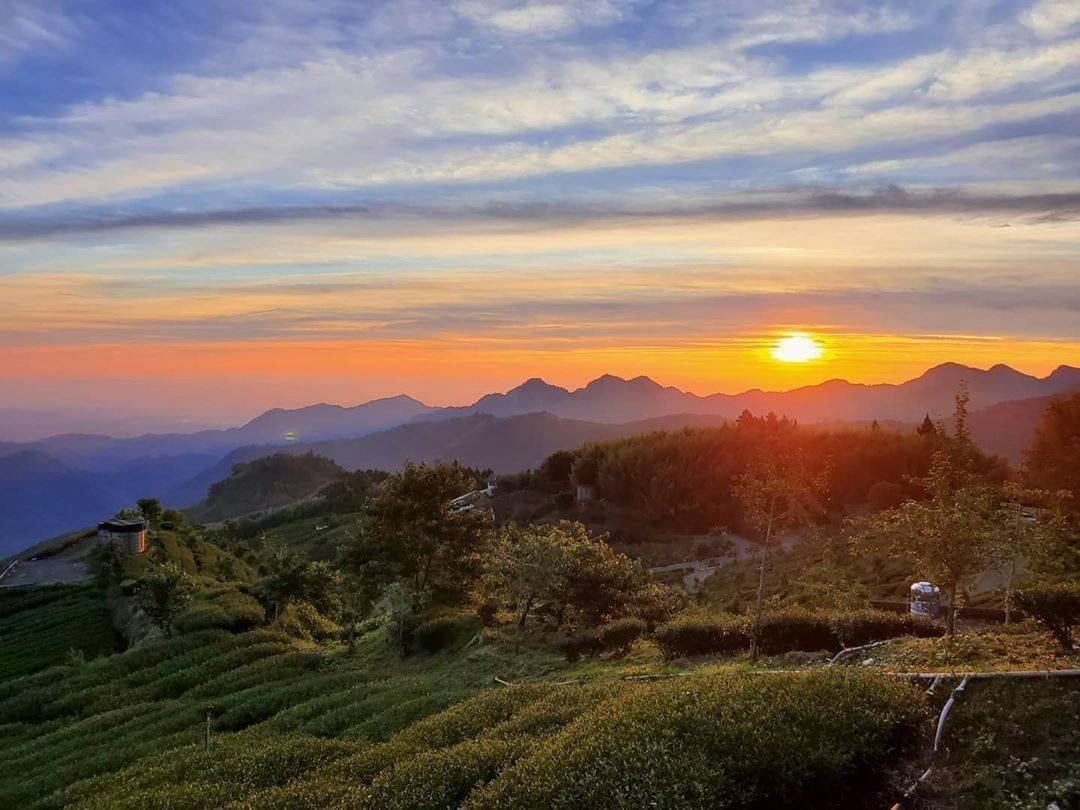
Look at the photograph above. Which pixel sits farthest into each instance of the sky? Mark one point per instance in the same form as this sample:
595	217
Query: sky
213	207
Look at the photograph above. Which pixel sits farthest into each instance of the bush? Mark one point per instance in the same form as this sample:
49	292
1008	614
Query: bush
621	634
584	643
867	626
1055	607
731	740
788	630
703	634
486	611
227	609
301	620
434	634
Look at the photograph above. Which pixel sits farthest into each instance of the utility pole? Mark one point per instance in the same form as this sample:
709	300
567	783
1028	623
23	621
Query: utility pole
208	729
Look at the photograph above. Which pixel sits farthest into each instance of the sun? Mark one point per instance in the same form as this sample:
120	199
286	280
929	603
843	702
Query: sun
797	348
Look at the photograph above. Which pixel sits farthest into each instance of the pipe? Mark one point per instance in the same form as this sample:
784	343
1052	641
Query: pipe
945	712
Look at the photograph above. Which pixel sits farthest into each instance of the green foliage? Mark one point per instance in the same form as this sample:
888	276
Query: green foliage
40	626
721	741
293	578
952	536
1056	607
582	643
163	593
266	483
409	533
701	633
302	620
151	509
566	567
826	586
1053	459
221	607
1010	745
621	633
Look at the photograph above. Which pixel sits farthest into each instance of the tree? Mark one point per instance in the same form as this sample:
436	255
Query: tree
1035	536
826	586
951	535
151	509
163	593
410	532
532	563
777	493
927	428
293	578
566	567
1053	459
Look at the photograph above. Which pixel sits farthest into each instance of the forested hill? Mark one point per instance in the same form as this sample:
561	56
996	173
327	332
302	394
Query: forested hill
265	483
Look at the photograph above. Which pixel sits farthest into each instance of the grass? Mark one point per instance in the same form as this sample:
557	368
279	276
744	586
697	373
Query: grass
1010	745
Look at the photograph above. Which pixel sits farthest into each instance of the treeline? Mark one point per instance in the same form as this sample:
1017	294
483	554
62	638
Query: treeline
685	480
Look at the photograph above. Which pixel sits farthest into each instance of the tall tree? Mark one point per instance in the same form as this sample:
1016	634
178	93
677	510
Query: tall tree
409	531
777	493
1053	459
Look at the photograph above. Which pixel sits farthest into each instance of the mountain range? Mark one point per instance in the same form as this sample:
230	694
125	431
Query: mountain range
66	481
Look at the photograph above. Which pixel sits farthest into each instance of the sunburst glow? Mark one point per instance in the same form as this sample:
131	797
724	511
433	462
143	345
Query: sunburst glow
797	348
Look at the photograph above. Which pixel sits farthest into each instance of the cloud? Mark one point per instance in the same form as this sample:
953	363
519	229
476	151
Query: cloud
540	18
1052	18
761	204
32	26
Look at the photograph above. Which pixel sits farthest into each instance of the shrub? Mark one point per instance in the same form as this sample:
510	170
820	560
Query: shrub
703	634
582	643
731	740
621	634
227	609
788	630
434	634
1055	607
303	621
442	778
864	627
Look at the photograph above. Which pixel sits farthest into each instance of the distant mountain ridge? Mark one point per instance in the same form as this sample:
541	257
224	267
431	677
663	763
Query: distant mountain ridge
613	399
85	477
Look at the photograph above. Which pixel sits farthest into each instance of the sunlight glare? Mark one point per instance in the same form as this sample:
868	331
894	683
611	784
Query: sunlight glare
797	348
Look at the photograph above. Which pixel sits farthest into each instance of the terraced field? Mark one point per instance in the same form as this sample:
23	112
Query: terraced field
294	726
40	627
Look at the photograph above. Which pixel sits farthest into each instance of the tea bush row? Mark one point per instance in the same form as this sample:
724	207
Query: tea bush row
785	631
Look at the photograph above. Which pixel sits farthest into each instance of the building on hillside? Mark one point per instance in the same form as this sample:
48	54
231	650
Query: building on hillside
585	493
130	534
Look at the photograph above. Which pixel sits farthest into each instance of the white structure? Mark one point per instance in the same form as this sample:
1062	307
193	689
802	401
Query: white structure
925	600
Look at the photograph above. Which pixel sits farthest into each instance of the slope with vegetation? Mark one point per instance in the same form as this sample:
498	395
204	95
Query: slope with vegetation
440	659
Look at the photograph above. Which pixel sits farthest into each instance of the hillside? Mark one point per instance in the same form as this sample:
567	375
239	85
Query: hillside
265	483
506	432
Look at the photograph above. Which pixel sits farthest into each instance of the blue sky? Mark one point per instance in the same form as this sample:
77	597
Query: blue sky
516	176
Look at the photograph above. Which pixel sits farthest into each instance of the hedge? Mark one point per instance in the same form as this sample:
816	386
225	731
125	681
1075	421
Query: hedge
785	631
621	633
1055	607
